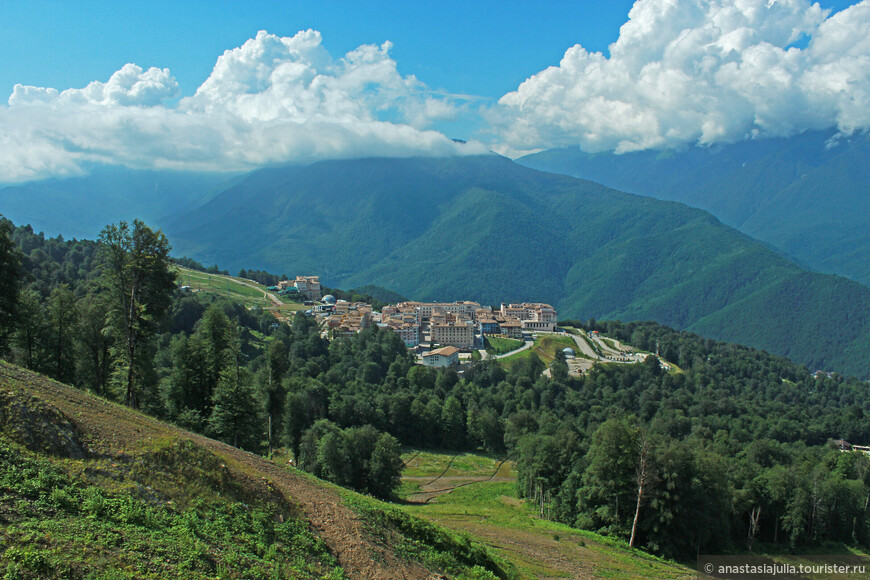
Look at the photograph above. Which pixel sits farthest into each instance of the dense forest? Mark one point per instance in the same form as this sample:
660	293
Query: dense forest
728	452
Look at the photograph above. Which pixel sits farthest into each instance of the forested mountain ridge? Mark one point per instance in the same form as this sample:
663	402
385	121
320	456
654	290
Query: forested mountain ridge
486	229
807	195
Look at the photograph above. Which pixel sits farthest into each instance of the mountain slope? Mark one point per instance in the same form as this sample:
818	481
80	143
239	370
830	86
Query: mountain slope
487	229
81	206
90	487
807	195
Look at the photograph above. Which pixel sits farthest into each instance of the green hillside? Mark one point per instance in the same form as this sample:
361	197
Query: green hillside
91	489
806	195
487	229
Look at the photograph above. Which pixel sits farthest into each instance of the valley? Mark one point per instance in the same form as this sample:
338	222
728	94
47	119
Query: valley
435	291
483	227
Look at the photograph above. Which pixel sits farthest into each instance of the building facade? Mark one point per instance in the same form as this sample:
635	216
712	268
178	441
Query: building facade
442	357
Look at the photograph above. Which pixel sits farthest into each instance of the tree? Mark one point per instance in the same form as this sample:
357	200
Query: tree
94	344
62	320
135	272
385	467
30	334
643	480
10	277
235	416
610	480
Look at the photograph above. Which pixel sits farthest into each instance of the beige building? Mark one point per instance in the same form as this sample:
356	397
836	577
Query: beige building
532	315
309	286
409	333
458	333
425	310
511	327
349	318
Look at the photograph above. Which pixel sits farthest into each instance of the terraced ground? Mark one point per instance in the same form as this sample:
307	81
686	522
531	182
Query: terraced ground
476	494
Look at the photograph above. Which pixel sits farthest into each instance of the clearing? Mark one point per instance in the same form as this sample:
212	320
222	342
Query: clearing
476	494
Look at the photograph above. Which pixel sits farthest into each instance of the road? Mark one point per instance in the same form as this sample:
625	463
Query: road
526	345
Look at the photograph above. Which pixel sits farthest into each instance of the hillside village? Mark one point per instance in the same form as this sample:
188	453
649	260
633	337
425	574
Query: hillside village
445	334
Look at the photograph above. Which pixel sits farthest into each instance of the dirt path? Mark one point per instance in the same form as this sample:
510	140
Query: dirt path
267	295
112	429
341	528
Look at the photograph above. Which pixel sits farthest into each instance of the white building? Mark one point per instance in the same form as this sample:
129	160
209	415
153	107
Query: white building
442	357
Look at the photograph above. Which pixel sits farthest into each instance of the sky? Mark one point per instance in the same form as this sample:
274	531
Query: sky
225	85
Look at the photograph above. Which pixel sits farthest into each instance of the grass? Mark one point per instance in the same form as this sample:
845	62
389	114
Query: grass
490	512
545	347
431	463
247	292
169	514
501	345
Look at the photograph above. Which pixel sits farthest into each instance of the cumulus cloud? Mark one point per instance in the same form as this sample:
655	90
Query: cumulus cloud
271	100
128	87
698	71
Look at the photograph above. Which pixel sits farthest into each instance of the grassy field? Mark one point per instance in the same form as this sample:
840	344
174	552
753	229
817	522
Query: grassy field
247	292
501	345
546	346
478	497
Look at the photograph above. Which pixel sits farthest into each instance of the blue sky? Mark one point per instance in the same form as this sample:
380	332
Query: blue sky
145	84
485	48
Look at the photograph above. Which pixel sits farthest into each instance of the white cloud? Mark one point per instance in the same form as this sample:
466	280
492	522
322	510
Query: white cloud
698	71
271	100
130	86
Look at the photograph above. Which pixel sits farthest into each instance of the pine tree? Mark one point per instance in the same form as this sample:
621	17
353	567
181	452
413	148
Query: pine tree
10	279
235	416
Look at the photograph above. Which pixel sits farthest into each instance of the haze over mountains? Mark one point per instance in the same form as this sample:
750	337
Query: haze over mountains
807	195
79	207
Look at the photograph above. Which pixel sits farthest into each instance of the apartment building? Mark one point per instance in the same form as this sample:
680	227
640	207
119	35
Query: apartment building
458	333
349	318
425	310
409	333
309	286
532	315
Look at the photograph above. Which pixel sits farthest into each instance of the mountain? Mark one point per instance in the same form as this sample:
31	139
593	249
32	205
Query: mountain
808	195
92	489
487	229
80	207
